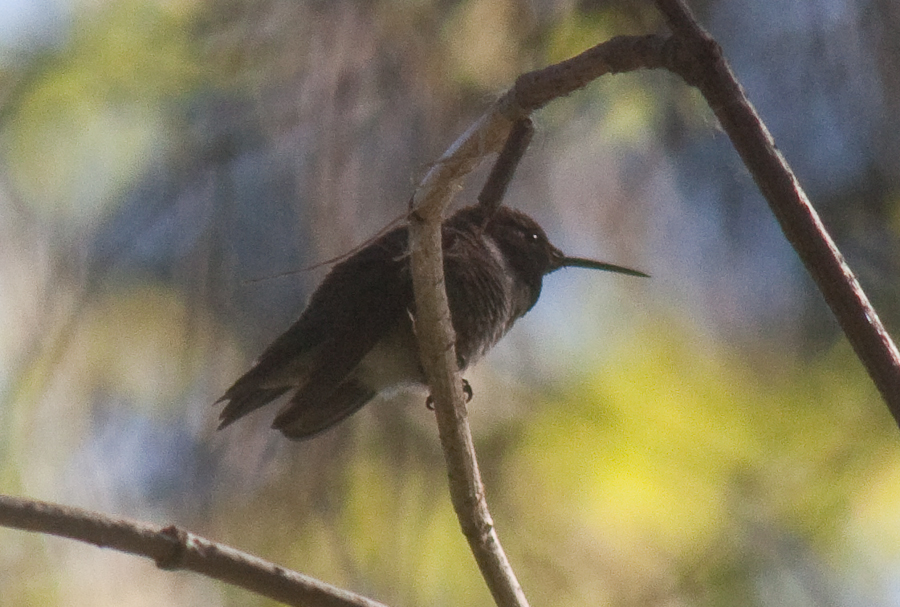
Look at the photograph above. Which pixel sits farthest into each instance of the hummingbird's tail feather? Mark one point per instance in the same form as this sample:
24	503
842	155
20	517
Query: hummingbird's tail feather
240	403
307	414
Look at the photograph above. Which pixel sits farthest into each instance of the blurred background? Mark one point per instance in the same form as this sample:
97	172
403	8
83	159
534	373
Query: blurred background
705	437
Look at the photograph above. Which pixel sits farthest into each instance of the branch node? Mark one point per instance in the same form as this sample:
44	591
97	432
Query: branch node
177	540
692	59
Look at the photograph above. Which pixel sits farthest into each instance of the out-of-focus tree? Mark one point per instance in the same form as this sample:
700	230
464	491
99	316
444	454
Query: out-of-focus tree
704	438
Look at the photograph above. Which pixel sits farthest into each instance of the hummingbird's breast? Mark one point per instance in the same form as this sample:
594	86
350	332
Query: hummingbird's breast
485	298
393	362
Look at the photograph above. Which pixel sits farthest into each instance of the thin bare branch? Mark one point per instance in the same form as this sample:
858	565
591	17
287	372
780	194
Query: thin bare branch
173	548
494	189
700	62
534	90
433	327
436	343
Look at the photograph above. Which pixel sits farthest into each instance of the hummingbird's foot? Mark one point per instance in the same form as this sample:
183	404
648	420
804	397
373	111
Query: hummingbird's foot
467	390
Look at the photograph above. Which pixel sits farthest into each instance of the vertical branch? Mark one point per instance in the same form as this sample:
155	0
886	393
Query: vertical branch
434	330
438	353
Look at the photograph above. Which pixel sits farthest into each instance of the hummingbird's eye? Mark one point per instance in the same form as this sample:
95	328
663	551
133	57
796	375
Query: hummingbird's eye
531	237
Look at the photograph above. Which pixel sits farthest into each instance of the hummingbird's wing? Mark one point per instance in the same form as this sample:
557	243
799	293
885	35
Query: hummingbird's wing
320	404
359	302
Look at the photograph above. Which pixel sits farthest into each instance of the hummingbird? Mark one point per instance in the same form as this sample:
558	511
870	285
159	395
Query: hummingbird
356	337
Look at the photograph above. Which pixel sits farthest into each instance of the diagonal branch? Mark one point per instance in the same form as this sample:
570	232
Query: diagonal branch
173	548
494	189
702	64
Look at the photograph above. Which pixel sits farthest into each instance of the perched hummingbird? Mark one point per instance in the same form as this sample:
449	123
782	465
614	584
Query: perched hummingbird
356	337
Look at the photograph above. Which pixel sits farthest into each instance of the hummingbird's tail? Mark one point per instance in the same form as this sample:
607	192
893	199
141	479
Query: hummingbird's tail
308	414
243	399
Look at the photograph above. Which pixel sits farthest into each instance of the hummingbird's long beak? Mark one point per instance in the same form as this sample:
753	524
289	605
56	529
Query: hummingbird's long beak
562	261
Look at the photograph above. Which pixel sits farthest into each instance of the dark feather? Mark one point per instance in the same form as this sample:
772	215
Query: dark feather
306	415
240	405
359	301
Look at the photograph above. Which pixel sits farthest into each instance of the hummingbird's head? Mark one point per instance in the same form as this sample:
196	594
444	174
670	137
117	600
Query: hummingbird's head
527	249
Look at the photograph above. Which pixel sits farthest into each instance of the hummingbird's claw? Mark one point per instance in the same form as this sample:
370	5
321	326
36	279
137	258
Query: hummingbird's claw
467	390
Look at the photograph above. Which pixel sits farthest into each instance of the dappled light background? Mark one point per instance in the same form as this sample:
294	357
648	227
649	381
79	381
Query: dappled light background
704	437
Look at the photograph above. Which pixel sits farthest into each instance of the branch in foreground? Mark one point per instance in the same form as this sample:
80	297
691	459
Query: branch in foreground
433	327
436	344
174	549
703	65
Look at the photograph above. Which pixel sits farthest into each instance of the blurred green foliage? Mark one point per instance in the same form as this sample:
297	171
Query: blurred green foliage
702	438
84	128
